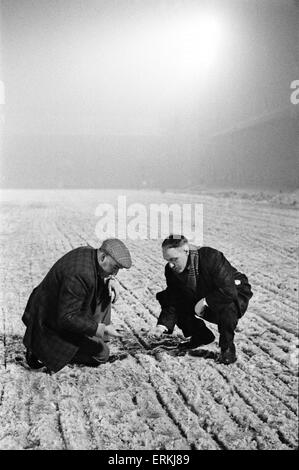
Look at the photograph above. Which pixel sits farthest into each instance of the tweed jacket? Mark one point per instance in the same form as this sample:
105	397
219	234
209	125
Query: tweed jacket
208	275
60	310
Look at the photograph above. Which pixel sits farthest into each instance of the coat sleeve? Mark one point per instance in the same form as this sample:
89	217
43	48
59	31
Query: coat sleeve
166	298
222	275
71	314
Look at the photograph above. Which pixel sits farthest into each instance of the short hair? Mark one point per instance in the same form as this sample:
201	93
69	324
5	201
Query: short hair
174	241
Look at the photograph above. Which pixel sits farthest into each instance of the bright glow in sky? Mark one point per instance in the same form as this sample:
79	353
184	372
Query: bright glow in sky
193	41
141	71
141	67
139	79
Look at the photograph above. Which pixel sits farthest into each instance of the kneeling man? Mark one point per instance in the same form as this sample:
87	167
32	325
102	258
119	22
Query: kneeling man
201	285
68	314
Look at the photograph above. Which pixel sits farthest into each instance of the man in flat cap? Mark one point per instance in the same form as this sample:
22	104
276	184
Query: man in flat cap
68	314
201	285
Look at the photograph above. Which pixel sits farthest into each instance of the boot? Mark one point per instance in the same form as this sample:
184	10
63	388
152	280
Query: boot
32	360
197	341
228	355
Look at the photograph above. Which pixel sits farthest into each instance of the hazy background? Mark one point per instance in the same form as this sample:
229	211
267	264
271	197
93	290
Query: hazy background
149	94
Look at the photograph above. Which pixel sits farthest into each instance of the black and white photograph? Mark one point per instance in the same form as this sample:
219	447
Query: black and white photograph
149	196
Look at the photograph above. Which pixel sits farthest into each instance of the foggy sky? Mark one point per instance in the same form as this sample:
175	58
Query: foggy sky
162	69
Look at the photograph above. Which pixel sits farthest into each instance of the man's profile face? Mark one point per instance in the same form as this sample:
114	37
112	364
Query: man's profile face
108	264
176	257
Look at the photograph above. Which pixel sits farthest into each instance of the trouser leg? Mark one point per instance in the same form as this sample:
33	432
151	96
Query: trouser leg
92	351
103	312
193	326
227	323
227	319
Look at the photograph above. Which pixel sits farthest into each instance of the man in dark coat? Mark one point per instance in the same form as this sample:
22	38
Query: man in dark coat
68	314
201	285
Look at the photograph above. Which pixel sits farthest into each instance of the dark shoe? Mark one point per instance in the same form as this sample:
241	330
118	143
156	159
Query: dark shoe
32	361
228	356
195	342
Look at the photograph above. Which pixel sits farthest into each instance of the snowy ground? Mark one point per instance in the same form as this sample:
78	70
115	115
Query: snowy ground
145	398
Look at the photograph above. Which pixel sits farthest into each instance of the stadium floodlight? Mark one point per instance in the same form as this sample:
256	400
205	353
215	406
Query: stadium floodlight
197	41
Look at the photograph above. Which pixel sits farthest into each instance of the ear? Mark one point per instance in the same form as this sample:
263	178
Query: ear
184	248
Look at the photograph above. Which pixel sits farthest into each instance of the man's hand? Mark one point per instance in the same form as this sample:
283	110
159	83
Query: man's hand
113	289
111	331
158	331
199	307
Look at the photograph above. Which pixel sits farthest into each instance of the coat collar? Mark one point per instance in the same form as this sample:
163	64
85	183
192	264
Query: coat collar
99	270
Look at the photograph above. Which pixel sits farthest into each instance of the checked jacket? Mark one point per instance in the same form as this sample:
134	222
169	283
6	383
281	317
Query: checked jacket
60	310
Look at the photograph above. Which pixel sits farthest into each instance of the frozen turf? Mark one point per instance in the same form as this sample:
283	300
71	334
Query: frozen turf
149	396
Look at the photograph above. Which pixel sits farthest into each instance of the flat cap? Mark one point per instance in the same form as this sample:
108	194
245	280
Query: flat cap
118	251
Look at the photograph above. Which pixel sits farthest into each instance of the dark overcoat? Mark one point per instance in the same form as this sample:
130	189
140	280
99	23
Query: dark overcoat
208	275
60	310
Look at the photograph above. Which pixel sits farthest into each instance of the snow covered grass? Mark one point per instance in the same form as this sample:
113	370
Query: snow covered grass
150	398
